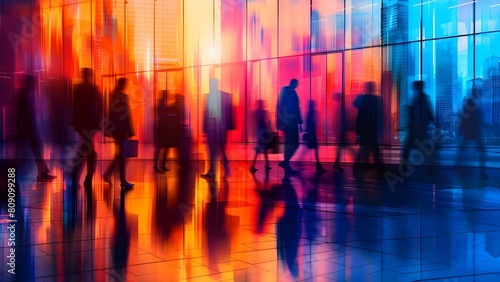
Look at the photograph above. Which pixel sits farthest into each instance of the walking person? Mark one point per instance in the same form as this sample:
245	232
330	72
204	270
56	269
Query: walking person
87	117
121	130
311	135
471	130
27	128
288	120
420	115
218	119
264	134
368	126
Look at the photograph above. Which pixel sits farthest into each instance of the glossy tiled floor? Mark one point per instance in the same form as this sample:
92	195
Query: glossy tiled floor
438	225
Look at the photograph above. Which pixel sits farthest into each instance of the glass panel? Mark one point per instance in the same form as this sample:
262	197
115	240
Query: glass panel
446	18
319	97
448	65
262	29
362	23
487	16
360	67
232	80
327	25
200	46
335	96
233	25
296	68
401	68
168	34
488	69
400	22
294	27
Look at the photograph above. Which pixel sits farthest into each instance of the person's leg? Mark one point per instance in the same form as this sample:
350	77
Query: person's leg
91	160
114	162
267	159
482	157
212	154
121	160
156	156
225	161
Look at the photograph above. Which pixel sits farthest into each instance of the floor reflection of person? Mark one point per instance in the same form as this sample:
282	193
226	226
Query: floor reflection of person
218	119
289	119
218	235
289	229
120	245
120	129
27	127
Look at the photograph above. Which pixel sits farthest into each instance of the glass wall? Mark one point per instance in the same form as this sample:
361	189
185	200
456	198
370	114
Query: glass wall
254	48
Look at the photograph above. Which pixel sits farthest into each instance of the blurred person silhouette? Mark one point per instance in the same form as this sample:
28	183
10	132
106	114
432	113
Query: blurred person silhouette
170	129
311	135
218	119
471	129
120	130
217	224
185	136
420	116
264	134
368	126
289	120
87	117
27	128
342	145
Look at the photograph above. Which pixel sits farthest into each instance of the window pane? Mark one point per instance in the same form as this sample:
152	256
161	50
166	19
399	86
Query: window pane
294	27
447	67
360	66
262	29
400	21
362	23
327	25
487	16
488	69
401	68
447	18
233	27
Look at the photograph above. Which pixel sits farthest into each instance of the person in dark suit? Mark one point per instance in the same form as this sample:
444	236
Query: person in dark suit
120	129
27	129
169	129
471	129
288	120
368	126
218	119
420	115
87	117
161	135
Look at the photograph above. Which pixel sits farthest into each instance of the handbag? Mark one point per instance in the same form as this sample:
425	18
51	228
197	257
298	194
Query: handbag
130	148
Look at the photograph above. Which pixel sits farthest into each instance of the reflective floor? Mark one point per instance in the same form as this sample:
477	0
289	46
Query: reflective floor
435	225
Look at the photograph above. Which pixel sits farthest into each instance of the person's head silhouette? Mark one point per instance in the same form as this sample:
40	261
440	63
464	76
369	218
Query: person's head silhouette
294	83
87	75
369	87
214	84
418	85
